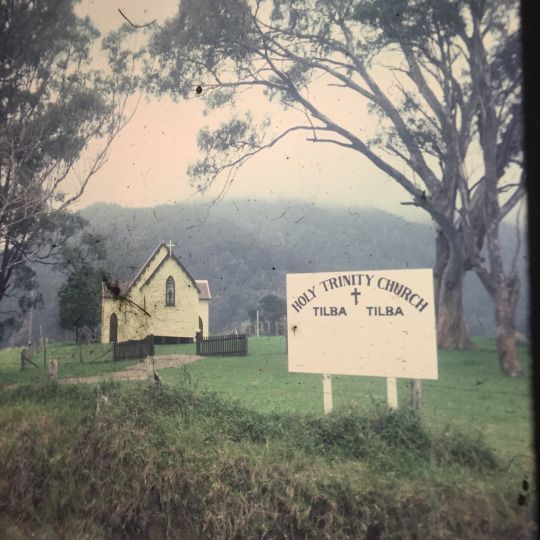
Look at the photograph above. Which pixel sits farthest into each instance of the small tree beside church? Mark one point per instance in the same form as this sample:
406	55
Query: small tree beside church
79	301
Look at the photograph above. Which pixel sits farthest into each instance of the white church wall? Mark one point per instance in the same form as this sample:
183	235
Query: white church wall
180	320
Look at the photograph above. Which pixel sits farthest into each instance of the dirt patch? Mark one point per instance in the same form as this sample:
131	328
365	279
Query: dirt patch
136	372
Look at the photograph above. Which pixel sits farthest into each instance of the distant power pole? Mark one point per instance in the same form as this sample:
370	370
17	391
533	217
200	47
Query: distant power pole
257	333
30	318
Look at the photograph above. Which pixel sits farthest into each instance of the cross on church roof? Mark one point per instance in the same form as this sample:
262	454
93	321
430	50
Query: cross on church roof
170	245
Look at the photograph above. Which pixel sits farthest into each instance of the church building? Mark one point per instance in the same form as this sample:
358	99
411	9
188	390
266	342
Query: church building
162	300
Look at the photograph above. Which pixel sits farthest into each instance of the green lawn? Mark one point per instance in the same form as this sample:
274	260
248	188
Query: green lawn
96	359
470	394
147	456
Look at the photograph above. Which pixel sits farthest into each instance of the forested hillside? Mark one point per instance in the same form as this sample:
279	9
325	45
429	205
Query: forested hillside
245	248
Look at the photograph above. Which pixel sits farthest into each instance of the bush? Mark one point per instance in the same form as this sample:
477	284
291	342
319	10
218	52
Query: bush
155	462
402	429
462	449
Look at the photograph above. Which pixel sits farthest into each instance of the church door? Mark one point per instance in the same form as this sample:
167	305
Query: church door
201	329
113	329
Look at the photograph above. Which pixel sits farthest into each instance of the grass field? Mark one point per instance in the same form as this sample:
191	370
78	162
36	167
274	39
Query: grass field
470	394
179	460
73	361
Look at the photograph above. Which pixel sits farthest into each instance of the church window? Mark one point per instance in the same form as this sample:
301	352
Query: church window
169	292
113	328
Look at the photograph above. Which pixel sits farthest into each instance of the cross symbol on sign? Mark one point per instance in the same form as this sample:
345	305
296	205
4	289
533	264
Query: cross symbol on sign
356	293
170	245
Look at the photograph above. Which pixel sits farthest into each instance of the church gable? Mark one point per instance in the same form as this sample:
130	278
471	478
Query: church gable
169	272
172	299
150	266
170	261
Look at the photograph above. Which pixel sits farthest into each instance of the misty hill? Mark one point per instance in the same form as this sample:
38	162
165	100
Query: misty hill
245	248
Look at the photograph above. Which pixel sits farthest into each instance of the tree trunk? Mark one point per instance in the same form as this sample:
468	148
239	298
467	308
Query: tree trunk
452	332
502	288
505	294
506	339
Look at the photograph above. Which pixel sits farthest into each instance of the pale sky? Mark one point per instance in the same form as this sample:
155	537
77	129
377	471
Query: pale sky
148	160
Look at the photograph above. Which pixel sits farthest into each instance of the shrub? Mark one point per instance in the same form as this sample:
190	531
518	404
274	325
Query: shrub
156	462
463	449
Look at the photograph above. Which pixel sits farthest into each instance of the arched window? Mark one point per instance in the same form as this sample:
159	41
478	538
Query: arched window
169	292
113	328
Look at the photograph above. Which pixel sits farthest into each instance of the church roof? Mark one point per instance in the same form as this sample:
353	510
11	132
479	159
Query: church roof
145	265
204	289
114	289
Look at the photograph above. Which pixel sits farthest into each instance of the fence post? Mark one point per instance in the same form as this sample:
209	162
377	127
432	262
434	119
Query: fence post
150	371
52	371
416	395
22	359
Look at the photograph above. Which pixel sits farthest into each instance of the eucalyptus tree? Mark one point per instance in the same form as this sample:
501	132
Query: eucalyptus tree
496	83
53	104
415	65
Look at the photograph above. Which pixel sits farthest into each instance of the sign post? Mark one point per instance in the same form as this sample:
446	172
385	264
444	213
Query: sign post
327	393
391	393
376	323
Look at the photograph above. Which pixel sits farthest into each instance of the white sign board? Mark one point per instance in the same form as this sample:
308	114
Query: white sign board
377	323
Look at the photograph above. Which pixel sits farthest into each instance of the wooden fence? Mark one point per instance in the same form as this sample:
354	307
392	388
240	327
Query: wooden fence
26	359
29	353
128	350
232	345
34	348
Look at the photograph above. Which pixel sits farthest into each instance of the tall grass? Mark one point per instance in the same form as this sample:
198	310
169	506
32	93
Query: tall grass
159	462
470	394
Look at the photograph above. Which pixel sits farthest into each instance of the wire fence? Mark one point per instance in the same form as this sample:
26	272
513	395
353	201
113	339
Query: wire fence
39	356
478	401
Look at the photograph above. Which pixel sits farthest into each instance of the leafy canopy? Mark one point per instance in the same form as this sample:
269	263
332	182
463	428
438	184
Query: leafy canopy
52	105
